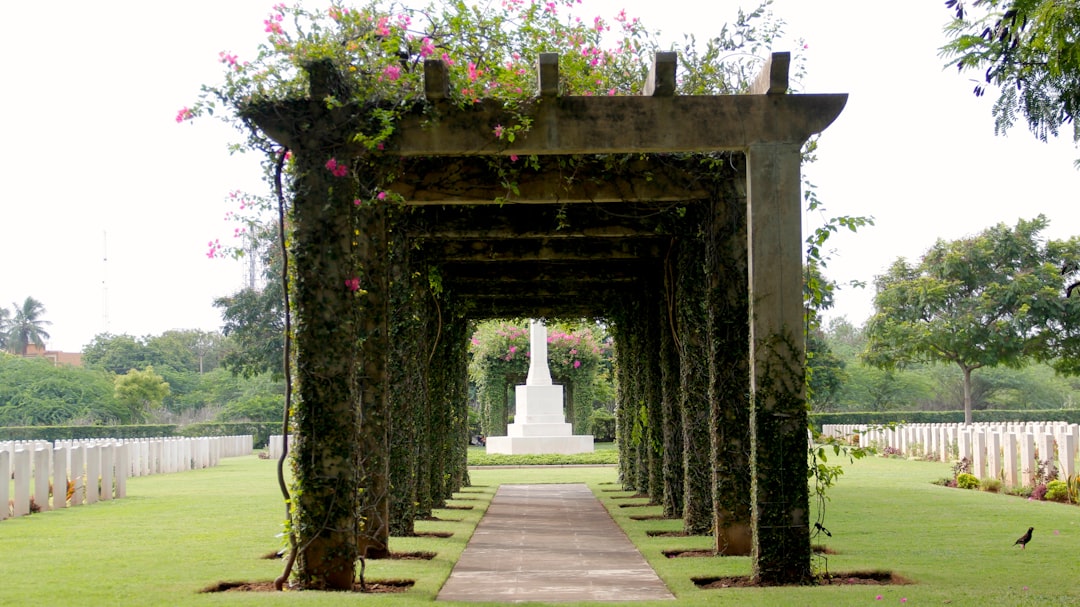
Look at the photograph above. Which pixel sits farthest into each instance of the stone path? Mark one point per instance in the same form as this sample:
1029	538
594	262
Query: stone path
550	543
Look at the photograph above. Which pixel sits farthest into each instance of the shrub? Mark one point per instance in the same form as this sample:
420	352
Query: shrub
602	426
1057	491
1039	492
1018	491
992	485
967	481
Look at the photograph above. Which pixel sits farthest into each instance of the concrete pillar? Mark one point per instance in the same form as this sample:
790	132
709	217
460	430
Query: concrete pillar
108	468
1009	456
1045	447
993	455
1067	455
963	441
21	462
60	477
1027	458
93	473
78	474
978	453
5	485
123	466
779	494
41	477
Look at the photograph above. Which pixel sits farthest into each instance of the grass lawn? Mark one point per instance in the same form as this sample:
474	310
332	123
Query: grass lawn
176	534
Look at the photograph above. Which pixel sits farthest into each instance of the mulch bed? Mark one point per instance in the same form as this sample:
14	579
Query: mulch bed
373	587
627	497
454	508
850	578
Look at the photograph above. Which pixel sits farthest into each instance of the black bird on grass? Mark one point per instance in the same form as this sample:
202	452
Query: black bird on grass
1024	539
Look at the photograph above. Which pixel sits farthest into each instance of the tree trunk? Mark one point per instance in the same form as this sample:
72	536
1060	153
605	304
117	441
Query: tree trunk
967	394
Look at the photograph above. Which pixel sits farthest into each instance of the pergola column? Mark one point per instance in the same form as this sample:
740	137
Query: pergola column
779	517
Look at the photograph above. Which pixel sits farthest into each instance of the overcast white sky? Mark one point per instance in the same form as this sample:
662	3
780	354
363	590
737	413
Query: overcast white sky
93	161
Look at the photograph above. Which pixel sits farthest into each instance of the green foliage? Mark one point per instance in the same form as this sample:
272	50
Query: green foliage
982	301
1057	491
991	485
141	391
1027	49
602	425
33	391
55	433
23	327
965	480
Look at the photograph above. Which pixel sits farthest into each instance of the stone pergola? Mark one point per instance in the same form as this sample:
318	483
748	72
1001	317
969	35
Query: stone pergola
680	223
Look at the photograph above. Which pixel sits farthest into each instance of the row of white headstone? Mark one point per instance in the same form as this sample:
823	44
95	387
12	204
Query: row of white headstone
1011	452
98	469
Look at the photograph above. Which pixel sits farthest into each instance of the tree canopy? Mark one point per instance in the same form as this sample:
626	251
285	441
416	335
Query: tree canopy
1030	51
23	327
996	298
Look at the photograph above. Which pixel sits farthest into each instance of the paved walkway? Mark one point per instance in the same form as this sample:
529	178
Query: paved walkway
550	543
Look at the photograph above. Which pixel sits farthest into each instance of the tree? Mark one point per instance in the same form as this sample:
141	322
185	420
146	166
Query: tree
976	302
26	327
116	353
1030	50
141	391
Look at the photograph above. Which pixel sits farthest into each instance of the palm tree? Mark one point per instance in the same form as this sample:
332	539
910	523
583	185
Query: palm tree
5	322
25	327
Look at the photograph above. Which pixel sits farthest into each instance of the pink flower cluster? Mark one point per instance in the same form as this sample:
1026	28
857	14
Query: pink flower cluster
214	250
336	169
184	114
353	284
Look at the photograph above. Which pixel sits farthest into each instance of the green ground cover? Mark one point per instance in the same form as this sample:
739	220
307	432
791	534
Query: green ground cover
176	534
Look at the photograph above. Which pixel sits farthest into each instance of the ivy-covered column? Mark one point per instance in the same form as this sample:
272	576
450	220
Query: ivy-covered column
407	381
729	374
653	444
672	413
780	507
458	432
327	448
371	239
692	343
626	407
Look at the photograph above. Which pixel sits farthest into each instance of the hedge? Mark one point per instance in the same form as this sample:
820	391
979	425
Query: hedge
261	431
1071	416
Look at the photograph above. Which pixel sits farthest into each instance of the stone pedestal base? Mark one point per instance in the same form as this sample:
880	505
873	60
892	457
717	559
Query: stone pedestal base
539	426
531	445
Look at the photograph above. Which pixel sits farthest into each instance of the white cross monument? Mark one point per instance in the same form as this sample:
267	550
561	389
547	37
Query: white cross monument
539	425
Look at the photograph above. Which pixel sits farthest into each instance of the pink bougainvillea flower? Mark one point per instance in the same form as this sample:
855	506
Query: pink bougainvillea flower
498	131
903	600
391	72
381	196
337	170
380	27
184	114
577	363
272	27
353	284
473	72
427	48
357	202
513	157
877	598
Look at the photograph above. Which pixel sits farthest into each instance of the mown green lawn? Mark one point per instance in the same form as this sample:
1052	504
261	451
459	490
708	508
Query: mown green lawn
176	534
